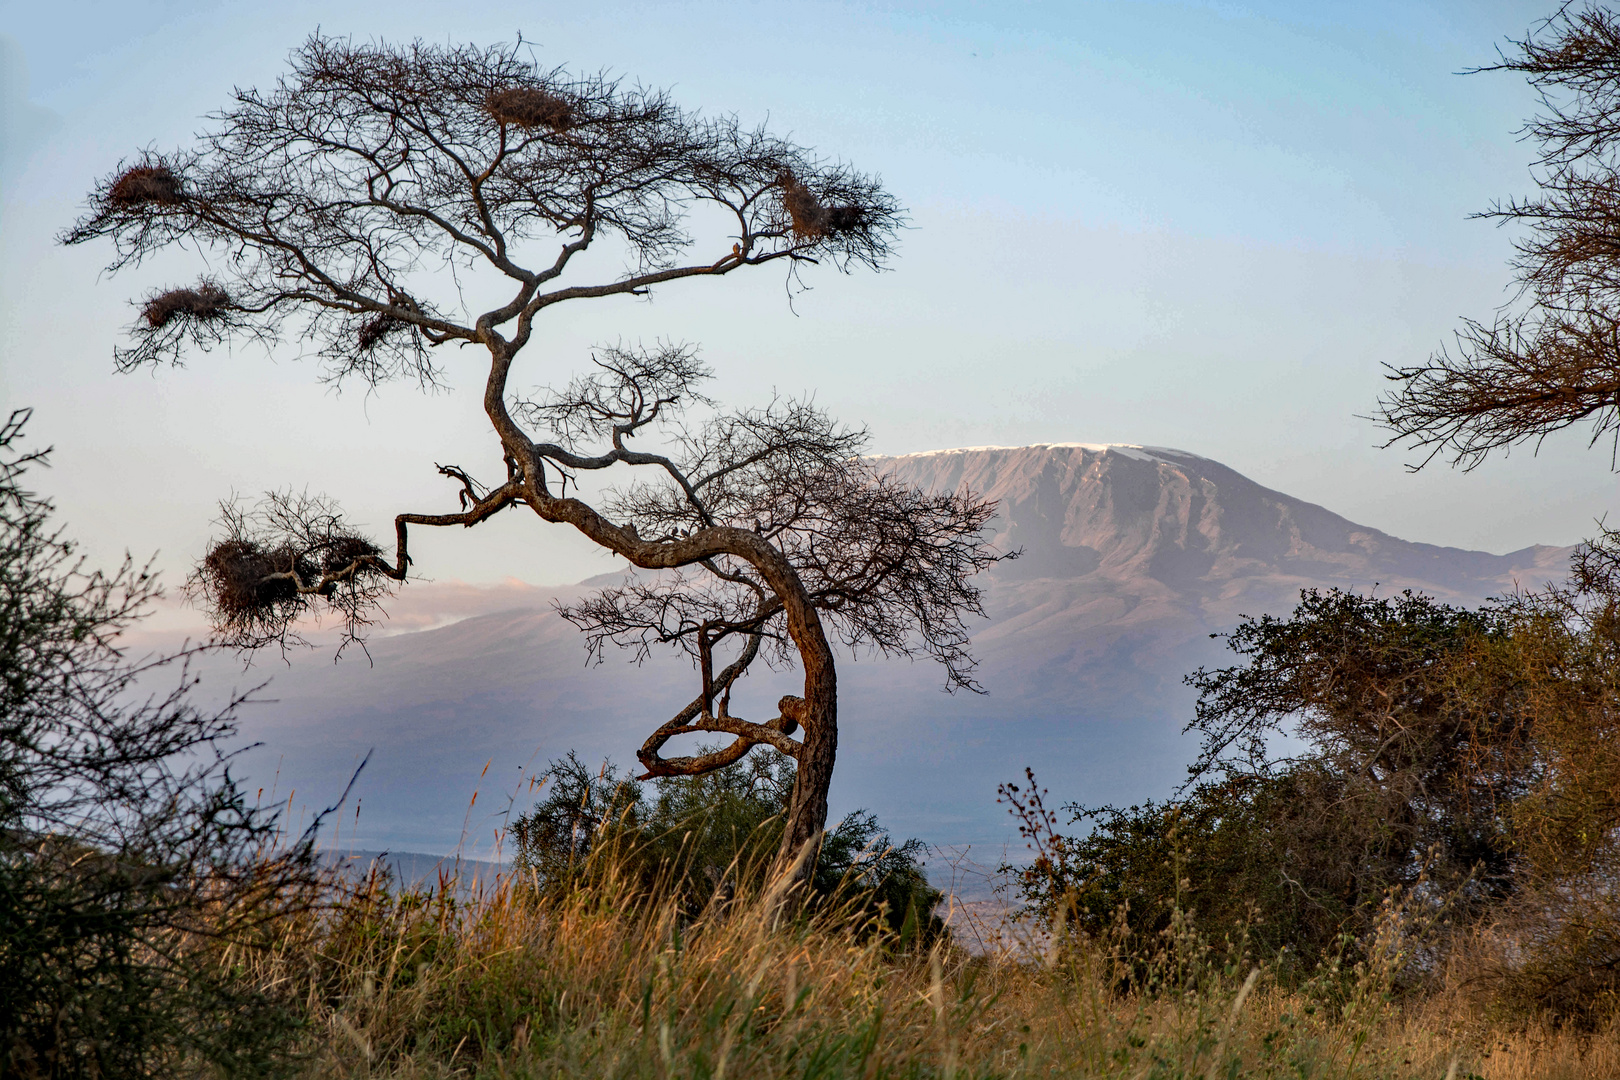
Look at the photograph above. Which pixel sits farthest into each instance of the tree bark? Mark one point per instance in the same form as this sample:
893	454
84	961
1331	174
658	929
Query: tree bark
807	806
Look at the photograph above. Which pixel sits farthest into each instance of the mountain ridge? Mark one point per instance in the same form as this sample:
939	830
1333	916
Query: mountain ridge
1311	519
1132	557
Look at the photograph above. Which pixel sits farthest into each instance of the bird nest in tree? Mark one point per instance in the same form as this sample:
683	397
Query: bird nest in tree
811	219
341	552
205	302
145	184
374	330
240	579
530	107
247	584
845	218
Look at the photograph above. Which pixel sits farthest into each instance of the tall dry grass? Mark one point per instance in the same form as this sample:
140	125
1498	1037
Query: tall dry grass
504	980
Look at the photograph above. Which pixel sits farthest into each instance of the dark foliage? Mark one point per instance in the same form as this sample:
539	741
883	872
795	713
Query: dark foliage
581	806
129	859
707	838
1212	855
1558	958
1465	761
1416	745
1422	742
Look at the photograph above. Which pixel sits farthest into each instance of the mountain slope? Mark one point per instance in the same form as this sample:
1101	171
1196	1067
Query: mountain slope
1131	557
1189	523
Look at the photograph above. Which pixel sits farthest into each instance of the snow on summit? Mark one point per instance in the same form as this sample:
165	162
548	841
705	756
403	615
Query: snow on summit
1131	450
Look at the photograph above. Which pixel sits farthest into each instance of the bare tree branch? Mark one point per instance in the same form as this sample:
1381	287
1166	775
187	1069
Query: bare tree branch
1554	364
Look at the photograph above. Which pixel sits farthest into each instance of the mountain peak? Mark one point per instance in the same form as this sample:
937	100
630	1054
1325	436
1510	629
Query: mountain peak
1186	522
1137	451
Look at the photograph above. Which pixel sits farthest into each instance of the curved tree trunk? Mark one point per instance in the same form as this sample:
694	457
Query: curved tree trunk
807	806
816	713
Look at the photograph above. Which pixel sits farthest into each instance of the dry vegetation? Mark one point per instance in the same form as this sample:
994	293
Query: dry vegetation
596	982
144	931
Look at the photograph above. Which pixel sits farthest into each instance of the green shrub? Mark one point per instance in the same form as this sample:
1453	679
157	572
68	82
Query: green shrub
1462	761
705	838
1410	741
131	865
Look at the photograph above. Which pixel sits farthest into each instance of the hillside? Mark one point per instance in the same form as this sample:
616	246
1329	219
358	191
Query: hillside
1131	557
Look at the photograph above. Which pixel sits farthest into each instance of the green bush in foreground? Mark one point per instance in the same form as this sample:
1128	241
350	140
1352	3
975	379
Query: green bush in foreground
130	862
1363	749
706	838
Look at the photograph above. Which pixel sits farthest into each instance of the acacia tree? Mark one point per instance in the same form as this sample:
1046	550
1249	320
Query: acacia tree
338	198
1553	360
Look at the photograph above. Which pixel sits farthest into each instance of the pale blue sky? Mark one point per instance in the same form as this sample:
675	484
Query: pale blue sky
1194	225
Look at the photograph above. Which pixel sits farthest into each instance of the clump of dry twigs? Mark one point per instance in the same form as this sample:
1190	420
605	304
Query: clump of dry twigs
530	107
376	330
811	220
206	302
243	577
279	564
146	184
